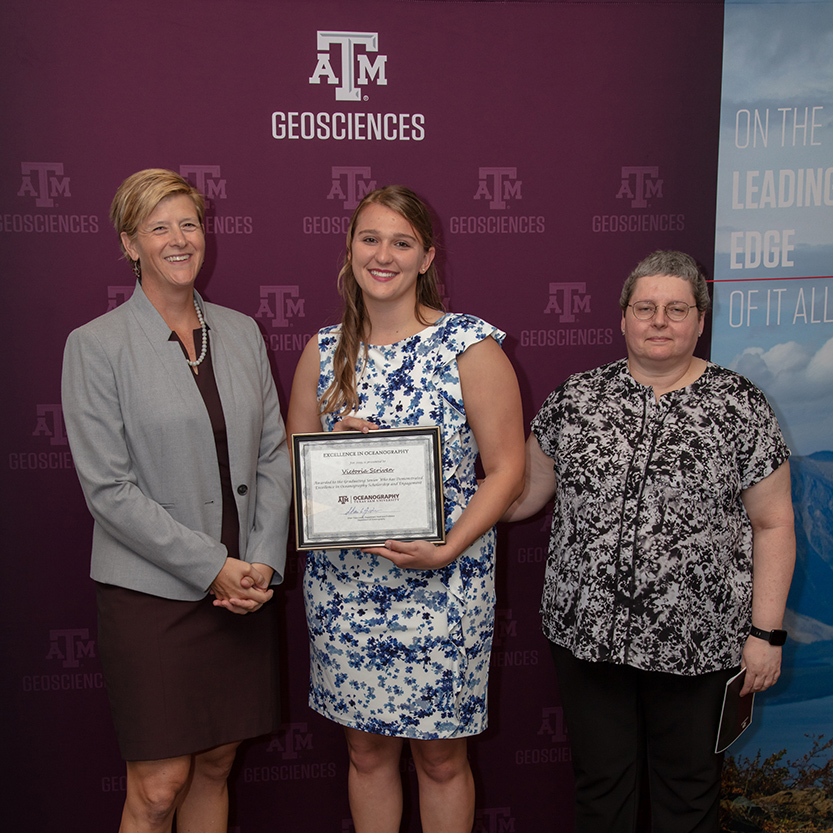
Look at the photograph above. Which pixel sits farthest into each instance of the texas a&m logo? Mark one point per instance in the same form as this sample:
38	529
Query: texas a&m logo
50	423
639	185
206	179
44	181
280	304
291	740
353	52
498	186
567	300
350	184
70	645
494	820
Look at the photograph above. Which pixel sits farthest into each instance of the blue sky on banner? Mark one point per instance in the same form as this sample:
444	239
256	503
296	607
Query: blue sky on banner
773	310
775	211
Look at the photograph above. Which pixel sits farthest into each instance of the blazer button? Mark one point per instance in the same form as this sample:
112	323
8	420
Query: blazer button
242	490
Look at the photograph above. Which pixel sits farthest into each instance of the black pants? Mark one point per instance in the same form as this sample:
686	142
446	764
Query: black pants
620	719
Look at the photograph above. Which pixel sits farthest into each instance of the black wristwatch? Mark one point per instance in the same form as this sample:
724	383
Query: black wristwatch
774	637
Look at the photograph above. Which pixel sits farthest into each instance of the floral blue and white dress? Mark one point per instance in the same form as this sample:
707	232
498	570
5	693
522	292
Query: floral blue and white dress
406	652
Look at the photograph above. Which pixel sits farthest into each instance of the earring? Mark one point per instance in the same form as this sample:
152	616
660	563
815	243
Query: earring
137	270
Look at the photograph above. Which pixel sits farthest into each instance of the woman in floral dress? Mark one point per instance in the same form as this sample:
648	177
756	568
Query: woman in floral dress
400	635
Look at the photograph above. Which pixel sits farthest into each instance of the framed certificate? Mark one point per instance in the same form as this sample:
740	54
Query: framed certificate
360	490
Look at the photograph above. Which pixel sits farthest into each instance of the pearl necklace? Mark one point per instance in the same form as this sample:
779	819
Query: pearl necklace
204	329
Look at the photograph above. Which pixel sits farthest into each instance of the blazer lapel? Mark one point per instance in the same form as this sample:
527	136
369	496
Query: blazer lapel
220	361
158	338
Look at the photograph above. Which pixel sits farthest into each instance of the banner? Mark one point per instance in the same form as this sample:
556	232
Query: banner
773	322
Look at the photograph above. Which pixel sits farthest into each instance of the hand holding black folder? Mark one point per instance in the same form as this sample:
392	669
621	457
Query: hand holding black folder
736	714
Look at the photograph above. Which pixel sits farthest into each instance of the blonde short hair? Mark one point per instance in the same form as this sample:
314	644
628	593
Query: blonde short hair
140	193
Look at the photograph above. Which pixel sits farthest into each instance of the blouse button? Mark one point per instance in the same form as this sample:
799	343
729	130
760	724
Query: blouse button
242	490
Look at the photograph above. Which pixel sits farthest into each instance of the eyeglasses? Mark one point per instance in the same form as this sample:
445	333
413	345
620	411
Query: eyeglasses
675	311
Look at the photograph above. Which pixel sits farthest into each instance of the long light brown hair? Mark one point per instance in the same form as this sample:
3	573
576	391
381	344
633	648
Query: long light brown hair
341	396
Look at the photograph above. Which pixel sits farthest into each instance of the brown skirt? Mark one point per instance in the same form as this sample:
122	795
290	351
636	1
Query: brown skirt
183	677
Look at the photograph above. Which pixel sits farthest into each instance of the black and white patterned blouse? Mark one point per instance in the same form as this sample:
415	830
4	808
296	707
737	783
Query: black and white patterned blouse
650	556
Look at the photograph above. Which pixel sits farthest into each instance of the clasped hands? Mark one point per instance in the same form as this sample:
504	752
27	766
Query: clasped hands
241	587
409	555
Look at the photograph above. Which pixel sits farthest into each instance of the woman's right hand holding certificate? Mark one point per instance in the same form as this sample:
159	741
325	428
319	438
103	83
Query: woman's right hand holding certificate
353	423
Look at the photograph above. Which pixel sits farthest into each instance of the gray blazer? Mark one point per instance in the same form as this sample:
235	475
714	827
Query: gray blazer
144	450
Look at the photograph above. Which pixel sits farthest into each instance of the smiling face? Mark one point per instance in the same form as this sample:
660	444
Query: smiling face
169	244
387	255
660	341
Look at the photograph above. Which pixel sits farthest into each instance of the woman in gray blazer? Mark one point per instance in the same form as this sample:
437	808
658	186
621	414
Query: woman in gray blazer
176	433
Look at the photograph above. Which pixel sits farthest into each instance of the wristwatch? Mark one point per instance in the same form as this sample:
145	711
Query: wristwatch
774	637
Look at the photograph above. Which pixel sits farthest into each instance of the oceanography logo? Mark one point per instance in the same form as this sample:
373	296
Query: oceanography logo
497	189
210	182
44	186
355	65
351	62
639	189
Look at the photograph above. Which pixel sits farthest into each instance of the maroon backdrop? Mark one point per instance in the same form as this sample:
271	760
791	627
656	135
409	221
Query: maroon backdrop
558	143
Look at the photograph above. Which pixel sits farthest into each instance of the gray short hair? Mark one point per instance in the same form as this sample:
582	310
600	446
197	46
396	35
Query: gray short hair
676	264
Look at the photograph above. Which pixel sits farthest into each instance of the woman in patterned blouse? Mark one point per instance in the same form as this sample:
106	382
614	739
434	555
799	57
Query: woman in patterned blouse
670	556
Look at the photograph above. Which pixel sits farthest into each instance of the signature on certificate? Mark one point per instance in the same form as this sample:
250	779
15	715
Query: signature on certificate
362	511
